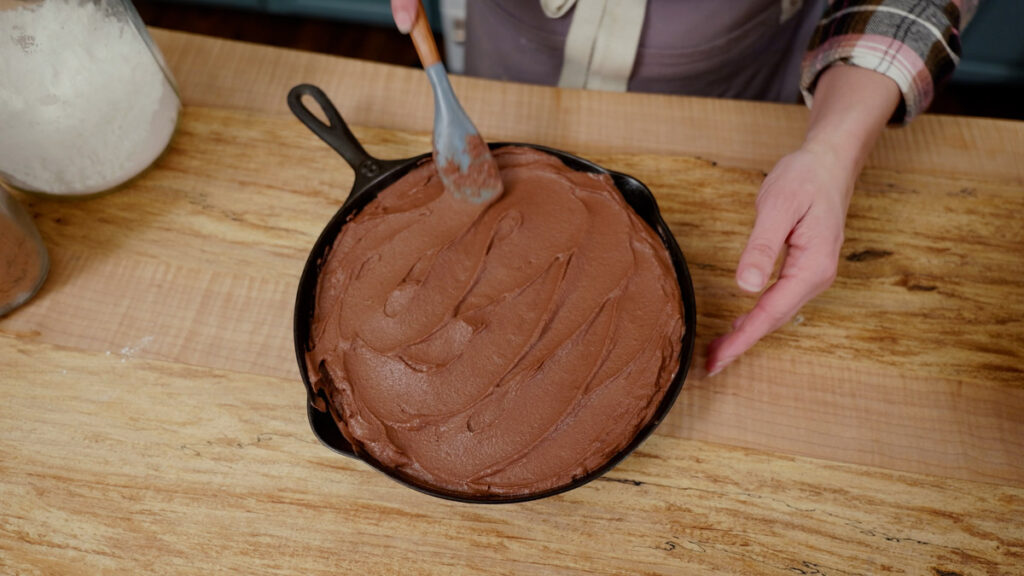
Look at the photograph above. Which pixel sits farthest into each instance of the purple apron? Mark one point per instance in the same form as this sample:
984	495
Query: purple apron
732	49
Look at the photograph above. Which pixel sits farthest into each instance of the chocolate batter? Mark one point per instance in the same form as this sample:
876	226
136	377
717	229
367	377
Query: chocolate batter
20	263
504	348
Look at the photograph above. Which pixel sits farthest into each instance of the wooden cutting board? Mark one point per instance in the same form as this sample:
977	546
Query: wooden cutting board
153	414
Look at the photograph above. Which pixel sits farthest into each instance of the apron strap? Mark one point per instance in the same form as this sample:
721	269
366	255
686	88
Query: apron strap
602	42
556	8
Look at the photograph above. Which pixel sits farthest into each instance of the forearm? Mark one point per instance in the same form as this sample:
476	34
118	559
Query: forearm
852	106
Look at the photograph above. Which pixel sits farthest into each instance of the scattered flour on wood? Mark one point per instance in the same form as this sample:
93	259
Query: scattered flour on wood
130	350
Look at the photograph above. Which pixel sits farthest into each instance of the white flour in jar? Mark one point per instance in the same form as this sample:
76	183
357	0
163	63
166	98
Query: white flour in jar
84	105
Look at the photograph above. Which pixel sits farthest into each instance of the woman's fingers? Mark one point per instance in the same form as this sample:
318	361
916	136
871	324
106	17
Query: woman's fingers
775	220
404	12
807	272
777	305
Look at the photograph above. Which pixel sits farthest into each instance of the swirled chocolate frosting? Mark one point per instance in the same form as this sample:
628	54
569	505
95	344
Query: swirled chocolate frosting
496	349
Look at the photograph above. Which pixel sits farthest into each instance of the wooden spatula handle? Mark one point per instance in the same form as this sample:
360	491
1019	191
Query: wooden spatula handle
423	39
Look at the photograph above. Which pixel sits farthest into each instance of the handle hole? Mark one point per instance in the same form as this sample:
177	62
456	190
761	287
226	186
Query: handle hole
315	109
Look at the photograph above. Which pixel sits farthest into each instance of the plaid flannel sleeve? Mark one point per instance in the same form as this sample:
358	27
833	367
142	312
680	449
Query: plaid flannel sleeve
914	42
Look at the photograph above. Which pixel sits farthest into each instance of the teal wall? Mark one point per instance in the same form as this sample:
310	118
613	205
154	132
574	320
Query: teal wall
993	45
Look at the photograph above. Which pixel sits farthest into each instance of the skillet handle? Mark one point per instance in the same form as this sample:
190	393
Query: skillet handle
336	134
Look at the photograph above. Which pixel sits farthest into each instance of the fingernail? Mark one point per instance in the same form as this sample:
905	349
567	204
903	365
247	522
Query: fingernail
722	365
404	21
751	280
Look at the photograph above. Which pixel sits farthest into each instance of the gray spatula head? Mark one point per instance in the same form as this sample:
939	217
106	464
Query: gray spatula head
463	160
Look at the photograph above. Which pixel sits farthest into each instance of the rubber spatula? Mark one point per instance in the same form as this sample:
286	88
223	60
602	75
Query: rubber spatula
463	160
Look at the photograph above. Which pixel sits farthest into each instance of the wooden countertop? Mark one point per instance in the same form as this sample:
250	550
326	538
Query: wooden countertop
152	419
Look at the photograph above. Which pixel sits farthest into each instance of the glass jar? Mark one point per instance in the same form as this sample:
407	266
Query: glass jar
23	259
86	100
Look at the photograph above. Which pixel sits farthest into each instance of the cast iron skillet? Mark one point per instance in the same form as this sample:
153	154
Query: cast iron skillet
373	176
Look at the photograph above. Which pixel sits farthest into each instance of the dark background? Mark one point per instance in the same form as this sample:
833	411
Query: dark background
990	81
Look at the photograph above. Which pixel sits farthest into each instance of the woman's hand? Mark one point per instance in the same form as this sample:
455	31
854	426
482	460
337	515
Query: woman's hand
404	12
802	206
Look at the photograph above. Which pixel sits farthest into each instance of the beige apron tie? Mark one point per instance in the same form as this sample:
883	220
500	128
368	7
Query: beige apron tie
556	8
602	42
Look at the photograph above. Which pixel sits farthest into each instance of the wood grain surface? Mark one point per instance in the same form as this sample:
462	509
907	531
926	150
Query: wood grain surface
152	419
122	465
